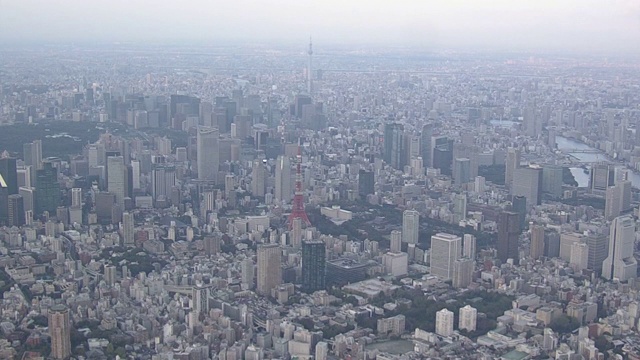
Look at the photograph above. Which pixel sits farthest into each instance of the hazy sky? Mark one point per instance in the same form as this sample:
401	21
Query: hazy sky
538	25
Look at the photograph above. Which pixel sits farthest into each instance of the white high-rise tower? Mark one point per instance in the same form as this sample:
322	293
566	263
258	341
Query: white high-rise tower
444	322
620	263
445	250
309	81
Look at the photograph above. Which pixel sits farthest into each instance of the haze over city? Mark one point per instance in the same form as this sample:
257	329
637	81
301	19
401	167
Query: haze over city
531	25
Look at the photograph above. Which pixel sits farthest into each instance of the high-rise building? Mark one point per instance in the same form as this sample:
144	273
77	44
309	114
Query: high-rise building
598	250
28	198
212	244
9	173
248	273
536	250
445	250
269	268
519	205
511	164
612	203
527	182
444	322
396	263
283	188
116	178
425	144
462	273
32	154
552	245
566	241
200	296
163	179
76	197
602	176
25	177
313	266
461	171
207	148
621	264
4	201
258	181
479	184
110	275
366	183
469	246
508	233
442	153
322	350
552	180
617	199
460	206
532	122
296	233
394	145
624	188
15	214
127	229
185	105
579	256
410	226
60	332
467	318
299	102
396	241
47	189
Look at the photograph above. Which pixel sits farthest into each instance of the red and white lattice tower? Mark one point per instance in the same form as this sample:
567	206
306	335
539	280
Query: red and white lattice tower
298	211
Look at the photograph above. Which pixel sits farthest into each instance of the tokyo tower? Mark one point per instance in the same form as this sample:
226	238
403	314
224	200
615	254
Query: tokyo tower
298	211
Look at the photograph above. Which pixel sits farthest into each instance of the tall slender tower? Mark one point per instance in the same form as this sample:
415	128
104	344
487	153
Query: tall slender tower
309	84
298	211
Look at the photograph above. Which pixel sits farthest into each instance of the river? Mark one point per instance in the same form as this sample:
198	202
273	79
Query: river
566	145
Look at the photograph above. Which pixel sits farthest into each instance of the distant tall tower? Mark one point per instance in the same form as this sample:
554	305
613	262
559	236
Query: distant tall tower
60	332
298	211
309	81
